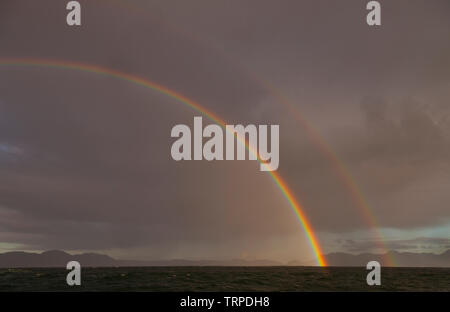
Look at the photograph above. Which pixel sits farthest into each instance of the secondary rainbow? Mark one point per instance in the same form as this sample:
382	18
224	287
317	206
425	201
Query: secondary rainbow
280	182
340	169
337	164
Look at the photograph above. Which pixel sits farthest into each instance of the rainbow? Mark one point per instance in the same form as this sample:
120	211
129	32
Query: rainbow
339	167
279	181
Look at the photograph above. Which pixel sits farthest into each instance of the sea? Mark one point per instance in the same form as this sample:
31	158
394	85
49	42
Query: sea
229	279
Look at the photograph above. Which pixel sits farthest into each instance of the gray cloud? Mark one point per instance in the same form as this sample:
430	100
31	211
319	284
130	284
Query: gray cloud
85	158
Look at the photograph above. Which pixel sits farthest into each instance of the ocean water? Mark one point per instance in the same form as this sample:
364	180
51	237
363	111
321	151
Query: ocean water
226	279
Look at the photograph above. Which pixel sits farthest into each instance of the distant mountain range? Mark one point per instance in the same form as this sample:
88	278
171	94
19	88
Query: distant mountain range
404	259
57	258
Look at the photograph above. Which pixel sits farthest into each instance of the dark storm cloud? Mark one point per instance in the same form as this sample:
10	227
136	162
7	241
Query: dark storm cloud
377	94
96	170
401	162
85	158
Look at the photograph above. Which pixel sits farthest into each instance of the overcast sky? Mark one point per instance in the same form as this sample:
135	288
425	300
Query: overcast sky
85	159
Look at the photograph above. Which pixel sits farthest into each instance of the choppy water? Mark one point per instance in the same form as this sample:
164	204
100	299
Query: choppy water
226	279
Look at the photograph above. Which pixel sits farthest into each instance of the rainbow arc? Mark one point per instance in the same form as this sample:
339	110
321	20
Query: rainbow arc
295	204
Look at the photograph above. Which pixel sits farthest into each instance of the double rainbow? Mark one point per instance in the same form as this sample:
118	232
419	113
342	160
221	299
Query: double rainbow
279	181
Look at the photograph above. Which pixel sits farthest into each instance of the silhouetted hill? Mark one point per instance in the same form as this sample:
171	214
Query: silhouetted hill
183	262
404	259
52	258
57	258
